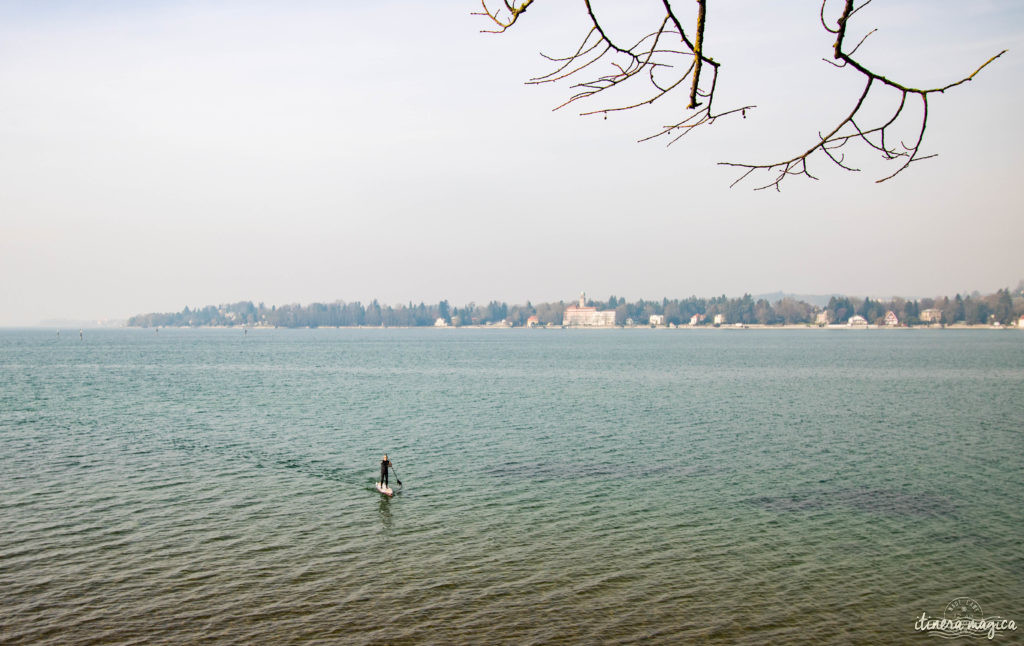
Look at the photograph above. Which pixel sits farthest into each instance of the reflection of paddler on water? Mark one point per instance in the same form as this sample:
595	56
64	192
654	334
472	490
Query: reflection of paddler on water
382	486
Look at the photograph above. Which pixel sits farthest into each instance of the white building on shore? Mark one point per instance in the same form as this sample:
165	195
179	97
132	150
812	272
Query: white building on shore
583	316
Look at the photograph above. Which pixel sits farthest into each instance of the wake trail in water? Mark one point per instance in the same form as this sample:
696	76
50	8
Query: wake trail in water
263	458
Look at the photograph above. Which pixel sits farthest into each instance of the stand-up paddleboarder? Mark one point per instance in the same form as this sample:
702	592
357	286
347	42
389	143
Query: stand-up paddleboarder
384	464
382	486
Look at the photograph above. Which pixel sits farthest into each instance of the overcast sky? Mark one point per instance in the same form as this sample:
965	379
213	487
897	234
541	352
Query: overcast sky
159	154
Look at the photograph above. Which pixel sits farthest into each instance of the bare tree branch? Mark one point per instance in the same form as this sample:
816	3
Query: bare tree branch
848	129
667	59
698	47
656	58
503	23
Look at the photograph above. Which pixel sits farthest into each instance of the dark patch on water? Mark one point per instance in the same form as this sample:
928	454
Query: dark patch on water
864	499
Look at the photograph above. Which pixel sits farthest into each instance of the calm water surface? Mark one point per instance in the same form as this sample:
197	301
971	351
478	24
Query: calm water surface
671	486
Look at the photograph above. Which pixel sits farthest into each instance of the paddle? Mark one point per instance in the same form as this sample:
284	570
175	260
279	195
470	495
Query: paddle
396	475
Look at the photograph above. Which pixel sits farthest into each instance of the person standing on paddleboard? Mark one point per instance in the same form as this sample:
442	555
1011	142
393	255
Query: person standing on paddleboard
384	464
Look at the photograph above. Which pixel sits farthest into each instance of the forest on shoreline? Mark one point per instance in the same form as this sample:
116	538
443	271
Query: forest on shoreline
1001	307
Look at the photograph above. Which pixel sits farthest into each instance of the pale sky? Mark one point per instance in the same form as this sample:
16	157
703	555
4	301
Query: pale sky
159	154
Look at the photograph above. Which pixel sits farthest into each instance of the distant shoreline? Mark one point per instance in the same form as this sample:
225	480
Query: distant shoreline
723	327
1001	307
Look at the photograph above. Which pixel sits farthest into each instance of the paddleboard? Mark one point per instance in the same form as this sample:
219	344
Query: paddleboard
387	491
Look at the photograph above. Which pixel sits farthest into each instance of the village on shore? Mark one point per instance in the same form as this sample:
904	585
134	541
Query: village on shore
996	311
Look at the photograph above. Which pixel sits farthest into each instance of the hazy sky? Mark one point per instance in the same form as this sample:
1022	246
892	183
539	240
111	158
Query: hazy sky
158	154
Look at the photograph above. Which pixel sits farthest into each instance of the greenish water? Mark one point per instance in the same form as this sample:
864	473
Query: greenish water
740	486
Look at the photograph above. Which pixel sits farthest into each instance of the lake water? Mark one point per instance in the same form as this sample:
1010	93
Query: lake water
560	486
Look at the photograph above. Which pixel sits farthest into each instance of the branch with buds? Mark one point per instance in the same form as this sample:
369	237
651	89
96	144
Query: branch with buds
875	135
667	59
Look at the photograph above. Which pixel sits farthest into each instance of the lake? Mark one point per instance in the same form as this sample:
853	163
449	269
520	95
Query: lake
559	486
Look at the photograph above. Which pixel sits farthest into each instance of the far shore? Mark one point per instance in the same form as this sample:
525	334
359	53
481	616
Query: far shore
733	327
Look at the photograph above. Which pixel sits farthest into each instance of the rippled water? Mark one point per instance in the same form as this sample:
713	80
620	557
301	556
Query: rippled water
559	486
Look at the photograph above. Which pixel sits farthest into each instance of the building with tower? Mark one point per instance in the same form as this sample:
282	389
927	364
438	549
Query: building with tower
581	315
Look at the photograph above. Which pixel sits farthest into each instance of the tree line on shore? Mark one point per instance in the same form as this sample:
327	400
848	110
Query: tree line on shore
975	309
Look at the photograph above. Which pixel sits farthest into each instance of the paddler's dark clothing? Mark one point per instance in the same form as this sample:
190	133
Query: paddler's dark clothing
384	464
